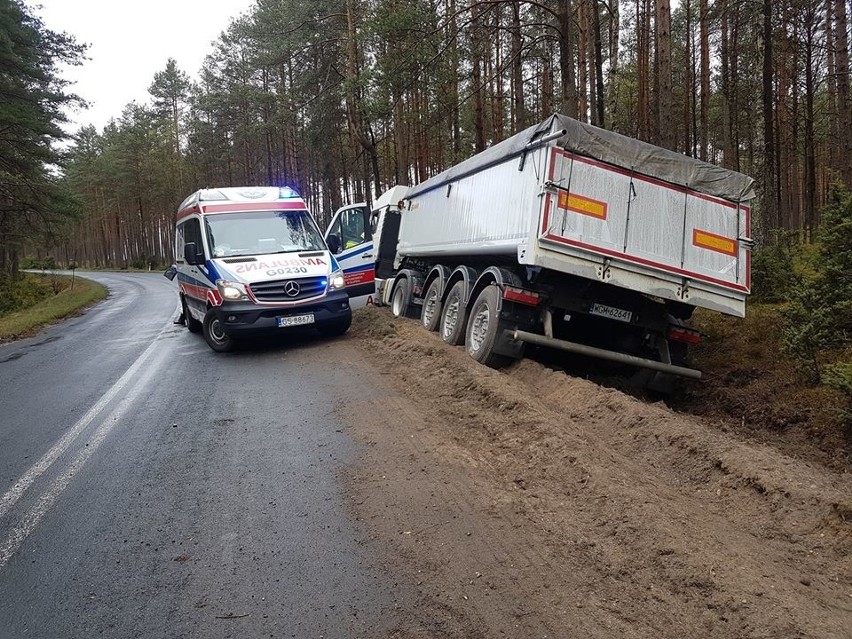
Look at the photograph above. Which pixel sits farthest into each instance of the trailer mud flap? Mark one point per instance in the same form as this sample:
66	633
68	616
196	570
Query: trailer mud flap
507	344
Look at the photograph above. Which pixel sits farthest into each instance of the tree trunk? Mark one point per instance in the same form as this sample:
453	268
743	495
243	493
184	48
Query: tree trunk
613	77
599	94
582	59
566	59
476	77
704	37
770	192
665	111
353	102
844	106
643	108
518	106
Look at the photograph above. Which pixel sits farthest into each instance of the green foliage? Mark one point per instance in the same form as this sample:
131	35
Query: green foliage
839	377
818	320
16	295
808	327
772	274
47	263
35	202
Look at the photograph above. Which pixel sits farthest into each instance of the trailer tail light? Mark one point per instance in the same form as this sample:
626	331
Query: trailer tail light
521	296
685	335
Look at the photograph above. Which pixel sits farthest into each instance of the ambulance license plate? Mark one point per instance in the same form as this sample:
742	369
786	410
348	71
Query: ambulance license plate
611	312
295	320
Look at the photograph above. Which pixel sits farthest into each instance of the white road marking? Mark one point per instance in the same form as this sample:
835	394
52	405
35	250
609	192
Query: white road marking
10	545
11	496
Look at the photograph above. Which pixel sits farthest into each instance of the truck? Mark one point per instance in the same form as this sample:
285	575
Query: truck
251	260
566	236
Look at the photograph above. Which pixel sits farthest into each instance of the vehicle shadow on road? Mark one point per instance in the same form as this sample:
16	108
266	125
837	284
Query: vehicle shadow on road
301	338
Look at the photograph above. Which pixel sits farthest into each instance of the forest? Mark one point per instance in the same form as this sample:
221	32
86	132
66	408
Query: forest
341	99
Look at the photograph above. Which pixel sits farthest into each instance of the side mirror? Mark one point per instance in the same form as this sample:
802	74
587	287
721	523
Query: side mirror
190	254
333	242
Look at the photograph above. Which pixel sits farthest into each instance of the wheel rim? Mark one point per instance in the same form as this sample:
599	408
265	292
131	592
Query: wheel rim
451	316
217	333
429	307
396	309
479	328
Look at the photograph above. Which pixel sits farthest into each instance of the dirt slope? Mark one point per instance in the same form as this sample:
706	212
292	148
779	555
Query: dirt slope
526	503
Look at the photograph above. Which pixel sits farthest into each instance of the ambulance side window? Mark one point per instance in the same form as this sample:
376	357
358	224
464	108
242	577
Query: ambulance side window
191	233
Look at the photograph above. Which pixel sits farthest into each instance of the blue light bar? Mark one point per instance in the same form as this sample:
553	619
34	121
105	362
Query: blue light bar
285	192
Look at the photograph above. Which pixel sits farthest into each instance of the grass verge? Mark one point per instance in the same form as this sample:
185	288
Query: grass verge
66	302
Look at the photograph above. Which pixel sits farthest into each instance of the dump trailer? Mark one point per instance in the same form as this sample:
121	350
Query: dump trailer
569	236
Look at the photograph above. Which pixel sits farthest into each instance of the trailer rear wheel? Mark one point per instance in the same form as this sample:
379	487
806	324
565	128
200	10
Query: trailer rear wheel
215	335
430	316
453	317
401	298
483	329
192	324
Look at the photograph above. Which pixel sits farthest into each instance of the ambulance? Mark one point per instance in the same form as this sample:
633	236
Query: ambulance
252	260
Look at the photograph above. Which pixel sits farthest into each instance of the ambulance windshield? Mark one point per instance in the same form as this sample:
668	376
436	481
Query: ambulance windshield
262	233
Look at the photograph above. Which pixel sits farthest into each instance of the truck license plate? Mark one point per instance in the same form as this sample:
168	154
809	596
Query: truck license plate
611	312
295	320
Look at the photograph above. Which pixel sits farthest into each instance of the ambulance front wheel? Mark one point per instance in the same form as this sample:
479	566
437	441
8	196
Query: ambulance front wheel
334	328
214	333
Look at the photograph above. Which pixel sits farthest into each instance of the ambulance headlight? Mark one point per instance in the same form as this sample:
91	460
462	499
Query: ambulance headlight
336	281
232	291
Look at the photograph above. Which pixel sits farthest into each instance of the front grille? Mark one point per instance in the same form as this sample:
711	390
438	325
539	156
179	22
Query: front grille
276	291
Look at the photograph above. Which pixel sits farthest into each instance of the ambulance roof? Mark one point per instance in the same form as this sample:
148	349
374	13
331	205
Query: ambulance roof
240	198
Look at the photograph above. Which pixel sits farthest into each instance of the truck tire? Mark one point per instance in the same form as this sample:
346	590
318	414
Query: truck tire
430	316
401	298
214	334
453	317
335	328
192	324
483	329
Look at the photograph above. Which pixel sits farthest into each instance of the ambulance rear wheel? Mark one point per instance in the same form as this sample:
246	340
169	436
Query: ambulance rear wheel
214	333
192	324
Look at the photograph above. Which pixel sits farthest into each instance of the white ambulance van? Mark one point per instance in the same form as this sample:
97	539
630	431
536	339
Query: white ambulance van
251	259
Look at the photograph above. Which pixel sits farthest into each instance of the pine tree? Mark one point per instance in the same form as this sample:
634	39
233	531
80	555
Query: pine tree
33	202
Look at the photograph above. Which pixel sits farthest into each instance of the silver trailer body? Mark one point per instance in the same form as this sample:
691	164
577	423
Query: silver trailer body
579	200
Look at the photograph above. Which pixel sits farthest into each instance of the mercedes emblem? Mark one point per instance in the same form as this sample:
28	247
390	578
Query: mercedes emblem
292	288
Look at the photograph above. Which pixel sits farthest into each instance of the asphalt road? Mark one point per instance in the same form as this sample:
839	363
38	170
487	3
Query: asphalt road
150	487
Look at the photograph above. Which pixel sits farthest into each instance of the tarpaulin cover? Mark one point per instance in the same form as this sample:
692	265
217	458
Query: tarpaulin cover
612	148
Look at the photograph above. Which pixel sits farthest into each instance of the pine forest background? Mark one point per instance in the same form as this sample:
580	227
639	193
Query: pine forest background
343	98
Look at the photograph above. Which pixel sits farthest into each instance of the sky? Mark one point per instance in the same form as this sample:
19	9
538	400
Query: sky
131	41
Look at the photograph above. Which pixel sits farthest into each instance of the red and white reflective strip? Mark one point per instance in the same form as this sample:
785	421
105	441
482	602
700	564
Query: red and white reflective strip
685	335
521	296
214	297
